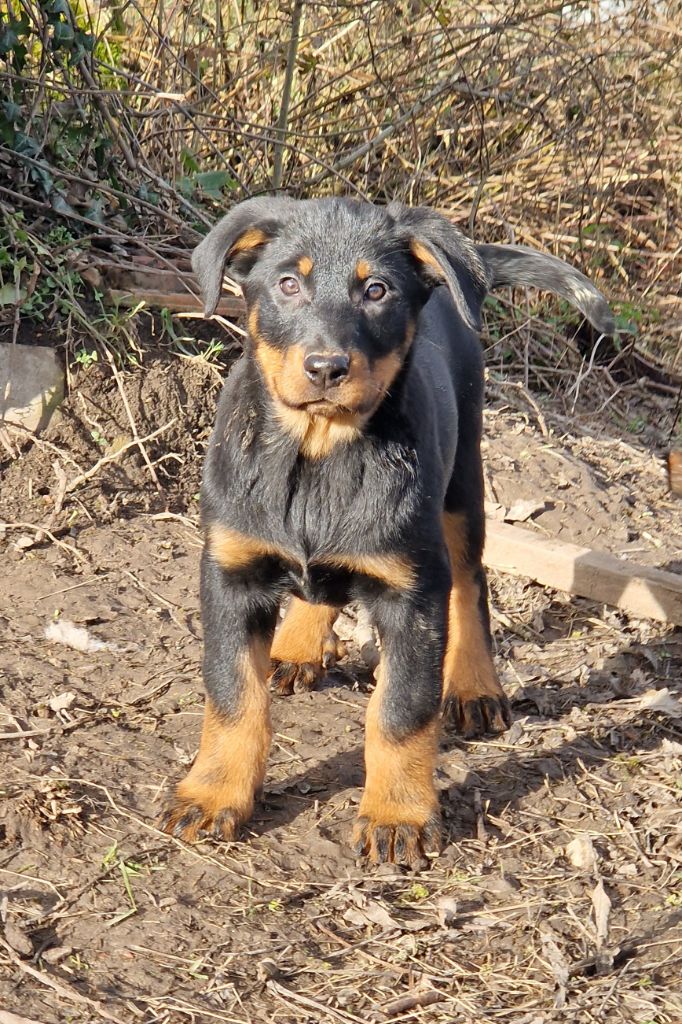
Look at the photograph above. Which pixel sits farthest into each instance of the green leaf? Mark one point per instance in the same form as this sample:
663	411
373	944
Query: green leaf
8	37
60	205
19	53
186	187
95	210
63	36
42	177
8	295
57	7
102	153
148	195
25	144
12	111
213	182
189	162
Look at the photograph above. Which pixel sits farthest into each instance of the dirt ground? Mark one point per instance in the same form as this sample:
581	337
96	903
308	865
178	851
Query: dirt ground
558	894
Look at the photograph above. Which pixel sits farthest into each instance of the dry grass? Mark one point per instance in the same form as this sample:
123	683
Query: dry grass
554	126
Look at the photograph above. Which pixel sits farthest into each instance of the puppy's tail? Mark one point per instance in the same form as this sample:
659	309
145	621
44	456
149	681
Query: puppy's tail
518	266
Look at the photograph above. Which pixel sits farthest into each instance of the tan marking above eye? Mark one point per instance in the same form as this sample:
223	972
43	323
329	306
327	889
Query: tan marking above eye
304	265
363	270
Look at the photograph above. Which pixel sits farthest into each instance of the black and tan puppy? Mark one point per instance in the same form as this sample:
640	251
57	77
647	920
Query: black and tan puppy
345	466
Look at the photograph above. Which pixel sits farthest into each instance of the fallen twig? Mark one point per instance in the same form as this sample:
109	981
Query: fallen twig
41	533
412	1001
131	420
136	442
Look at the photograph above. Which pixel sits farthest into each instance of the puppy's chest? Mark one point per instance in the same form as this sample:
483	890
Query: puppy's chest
331	526
361	501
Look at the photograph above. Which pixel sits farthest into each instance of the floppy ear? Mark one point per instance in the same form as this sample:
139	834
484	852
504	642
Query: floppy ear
445	256
517	265
236	242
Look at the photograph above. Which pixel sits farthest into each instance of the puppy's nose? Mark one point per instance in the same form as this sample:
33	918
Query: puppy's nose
326	369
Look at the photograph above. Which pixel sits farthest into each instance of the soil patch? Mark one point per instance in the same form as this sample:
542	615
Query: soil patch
105	918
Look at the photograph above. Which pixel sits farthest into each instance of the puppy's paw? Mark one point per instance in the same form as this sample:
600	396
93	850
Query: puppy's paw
302	676
290	676
190	821
405	843
304	648
477	715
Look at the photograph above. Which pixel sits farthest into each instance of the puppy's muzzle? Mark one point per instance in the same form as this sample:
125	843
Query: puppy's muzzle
326	369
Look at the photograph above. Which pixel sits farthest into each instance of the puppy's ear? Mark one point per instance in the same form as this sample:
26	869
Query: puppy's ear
519	266
445	256
236	242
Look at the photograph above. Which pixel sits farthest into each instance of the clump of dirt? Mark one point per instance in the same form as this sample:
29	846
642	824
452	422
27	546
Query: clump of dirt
586	487
169	403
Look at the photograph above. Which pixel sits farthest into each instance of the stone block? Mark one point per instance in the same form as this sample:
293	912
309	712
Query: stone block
31	385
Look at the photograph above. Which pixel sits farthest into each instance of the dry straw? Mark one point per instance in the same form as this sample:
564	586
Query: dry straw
552	124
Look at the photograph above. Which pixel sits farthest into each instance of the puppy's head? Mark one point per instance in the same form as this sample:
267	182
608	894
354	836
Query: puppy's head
333	290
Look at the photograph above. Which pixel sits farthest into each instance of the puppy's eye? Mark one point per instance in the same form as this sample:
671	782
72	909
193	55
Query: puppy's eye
375	291
289	286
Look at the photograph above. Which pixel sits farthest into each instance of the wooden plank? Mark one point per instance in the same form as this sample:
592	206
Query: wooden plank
675	471
230	306
639	590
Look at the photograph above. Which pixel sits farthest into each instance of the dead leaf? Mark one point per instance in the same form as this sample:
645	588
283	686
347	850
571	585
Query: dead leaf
18	939
268	969
12	1018
446	909
92	276
581	853
480	923
602	908
661	701
56	953
498	884
524	510
62	702
372	914
558	965
639	678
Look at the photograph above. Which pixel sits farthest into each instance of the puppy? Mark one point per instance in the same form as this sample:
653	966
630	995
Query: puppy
345	466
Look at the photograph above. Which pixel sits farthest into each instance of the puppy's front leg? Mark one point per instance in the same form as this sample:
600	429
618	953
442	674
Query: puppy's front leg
399	817
218	793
